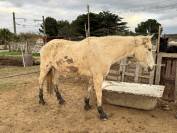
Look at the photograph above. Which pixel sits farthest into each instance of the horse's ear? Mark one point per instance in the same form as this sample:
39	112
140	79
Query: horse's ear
151	36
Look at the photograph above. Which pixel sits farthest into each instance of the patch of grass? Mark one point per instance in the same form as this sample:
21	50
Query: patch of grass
16	54
13	53
36	54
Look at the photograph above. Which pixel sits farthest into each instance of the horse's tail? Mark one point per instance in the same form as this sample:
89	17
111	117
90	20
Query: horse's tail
49	82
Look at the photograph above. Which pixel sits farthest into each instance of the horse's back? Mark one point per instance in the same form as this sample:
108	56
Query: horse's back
58	50
54	45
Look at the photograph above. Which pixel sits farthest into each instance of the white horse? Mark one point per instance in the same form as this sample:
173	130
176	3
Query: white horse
92	57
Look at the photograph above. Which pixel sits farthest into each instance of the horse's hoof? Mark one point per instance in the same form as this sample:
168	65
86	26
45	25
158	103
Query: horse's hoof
103	117
87	107
62	101
42	102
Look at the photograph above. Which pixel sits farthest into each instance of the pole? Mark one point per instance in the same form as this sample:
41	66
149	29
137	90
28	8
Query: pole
85	31
158	41
23	58
158	59
88	10
14	23
43	20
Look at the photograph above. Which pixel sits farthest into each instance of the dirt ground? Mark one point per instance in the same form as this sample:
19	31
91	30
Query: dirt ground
21	113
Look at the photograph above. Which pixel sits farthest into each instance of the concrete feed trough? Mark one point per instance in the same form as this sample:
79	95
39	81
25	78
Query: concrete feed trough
134	95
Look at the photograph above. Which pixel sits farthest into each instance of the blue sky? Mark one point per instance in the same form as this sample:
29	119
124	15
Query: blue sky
133	11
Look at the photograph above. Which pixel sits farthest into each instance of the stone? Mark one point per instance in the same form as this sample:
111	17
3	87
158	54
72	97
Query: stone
134	95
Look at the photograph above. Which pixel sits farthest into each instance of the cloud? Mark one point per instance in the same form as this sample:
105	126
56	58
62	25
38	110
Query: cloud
133	11
134	18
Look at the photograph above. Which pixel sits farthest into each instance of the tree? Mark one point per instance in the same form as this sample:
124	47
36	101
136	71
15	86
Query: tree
111	24
5	37
104	23
148	27
101	24
28	36
50	27
78	25
64	28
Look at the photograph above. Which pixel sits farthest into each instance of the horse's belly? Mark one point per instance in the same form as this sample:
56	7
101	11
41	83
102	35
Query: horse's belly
66	69
71	64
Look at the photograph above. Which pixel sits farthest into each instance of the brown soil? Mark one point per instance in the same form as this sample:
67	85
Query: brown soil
21	113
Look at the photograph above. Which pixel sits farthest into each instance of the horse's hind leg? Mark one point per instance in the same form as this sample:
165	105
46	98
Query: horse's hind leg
87	98
43	74
58	94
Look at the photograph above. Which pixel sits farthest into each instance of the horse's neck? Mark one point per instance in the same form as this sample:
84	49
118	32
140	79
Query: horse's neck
117	52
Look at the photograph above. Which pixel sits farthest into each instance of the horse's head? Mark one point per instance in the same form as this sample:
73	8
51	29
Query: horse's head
143	51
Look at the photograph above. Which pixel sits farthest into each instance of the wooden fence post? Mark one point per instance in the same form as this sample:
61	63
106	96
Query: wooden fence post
152	73
122	68
23	58
158	41
158	69
175	91
137	73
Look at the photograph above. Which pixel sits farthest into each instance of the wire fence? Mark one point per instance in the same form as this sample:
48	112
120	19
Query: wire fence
17	75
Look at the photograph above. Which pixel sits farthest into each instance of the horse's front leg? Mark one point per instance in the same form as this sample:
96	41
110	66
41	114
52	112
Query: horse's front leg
43	74
97	80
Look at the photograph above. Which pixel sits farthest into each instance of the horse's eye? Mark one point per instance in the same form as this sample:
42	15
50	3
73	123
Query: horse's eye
149	49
